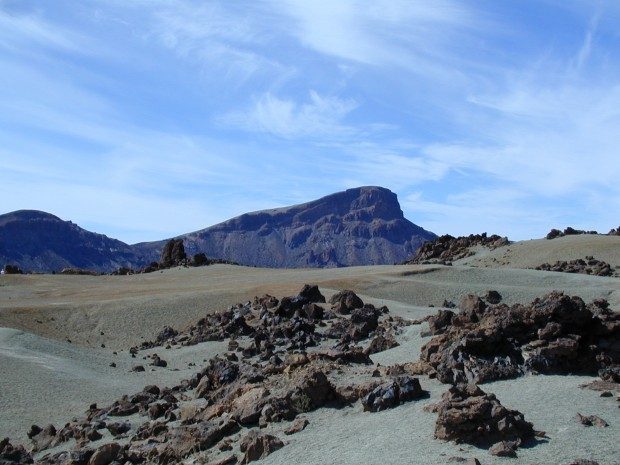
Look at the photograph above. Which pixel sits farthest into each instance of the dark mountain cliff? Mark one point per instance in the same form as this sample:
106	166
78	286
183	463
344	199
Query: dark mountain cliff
38	241
361	226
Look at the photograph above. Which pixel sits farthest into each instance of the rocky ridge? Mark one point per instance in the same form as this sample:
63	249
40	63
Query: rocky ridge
446	249
589	265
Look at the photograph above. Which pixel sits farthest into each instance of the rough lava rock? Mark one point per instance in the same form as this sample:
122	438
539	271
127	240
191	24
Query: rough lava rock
468	414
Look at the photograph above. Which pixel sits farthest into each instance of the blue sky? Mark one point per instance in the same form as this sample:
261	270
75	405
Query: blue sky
146	119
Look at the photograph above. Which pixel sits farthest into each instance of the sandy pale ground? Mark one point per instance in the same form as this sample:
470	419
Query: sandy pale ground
529	254
46	379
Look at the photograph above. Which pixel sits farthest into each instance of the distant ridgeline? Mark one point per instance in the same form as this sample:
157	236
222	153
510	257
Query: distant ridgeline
361	226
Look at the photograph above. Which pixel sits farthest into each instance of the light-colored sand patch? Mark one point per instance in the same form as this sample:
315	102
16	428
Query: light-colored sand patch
128	309
529	254
404	435
45	381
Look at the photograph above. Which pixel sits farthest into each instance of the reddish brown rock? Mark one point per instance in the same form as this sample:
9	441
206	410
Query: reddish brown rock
468	414
256	446
345	301
105	454
298	425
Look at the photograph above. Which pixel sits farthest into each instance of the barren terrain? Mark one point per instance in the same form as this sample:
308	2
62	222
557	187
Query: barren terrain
60	333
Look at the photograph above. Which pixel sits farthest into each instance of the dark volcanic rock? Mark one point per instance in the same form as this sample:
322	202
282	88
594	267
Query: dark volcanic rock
446	249
256	446
569	231
345	301
402	389
173	253
13	455
589	265
12	269
361	226
554	334
468	414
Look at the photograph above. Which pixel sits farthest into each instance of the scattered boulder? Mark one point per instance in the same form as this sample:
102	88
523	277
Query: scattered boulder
11	269
13	455
468	414
105	454
589	265
256	446
118	428
554	334
437	324
504	449
591	420
493	297
312	294
345	301
173	253
385	396
381	343
568	231
298	425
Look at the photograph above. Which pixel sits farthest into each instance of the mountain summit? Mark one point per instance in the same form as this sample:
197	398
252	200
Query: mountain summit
361	226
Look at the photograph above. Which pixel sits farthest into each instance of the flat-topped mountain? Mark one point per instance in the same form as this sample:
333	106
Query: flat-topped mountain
360	226
39	241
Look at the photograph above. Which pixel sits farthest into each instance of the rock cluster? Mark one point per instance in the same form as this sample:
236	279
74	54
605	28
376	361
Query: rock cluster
554	233
468	414
172	255
446	249
79	271
589	265
266	378
554	334
291	323
11	269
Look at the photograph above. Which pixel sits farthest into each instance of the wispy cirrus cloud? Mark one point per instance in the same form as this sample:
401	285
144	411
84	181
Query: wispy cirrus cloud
481	117
319	116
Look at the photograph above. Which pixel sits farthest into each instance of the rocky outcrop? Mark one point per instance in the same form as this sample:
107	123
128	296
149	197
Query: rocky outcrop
554	334
589	265
265	382
173	253
446	249
361	226
466	414
12	269
13	455
569	231
390	395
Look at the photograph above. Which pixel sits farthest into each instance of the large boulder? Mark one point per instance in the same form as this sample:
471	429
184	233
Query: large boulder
13	455
173	253
468	414
390	395
345	301
256	446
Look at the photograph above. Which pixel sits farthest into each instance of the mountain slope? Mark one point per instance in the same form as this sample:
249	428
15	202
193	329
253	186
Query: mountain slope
39	241
361	226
